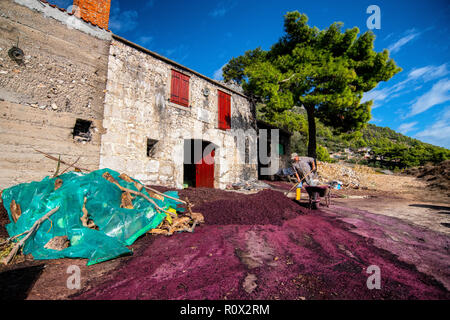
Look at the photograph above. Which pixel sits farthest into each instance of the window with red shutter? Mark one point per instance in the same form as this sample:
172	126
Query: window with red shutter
180	89
224	111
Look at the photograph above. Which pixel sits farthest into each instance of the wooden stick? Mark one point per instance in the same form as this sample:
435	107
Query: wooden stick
296	174
148	199
299	181
87	170
193	227
13	238
57	167
164	195
63	162
295	186
111	179
286	80
189	206
30	232
85	217
70	166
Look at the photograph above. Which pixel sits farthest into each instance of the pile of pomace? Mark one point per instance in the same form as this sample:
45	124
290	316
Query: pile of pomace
313	256
265	207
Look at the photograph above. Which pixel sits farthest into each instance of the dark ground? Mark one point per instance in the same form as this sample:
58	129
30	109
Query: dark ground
260	246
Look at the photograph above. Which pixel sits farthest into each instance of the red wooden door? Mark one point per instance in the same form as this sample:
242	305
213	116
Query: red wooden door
204	172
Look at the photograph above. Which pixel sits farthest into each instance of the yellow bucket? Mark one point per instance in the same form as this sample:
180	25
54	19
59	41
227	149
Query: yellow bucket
299	193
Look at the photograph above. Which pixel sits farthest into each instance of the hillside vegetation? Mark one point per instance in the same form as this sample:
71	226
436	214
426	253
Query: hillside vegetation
387	148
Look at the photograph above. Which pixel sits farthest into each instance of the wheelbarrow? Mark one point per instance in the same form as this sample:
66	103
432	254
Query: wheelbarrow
317	192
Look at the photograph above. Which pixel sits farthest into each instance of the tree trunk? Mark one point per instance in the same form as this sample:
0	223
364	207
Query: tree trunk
312	144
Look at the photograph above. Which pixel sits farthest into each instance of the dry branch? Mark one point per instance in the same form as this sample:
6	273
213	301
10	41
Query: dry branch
70	166
127	178
164	195
111	179
63	162
57	167
30	232
288	79
15	210
149	200
189	206
88	223
127	200
193	227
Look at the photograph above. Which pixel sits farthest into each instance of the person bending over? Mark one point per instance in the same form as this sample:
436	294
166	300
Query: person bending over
306	168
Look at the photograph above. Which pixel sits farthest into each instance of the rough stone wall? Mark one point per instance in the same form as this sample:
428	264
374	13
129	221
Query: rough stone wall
137	108
62	78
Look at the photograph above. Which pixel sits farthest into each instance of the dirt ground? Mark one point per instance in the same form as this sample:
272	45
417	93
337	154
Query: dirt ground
398	225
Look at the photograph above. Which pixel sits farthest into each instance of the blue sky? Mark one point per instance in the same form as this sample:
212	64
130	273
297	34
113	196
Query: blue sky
205	35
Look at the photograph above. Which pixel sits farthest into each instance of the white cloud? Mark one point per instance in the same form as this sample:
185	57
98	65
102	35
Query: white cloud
222	9
407	127
122	21
170	52
420	75
439	93
438	133
400	43
218	12
218	74
377	95
145	40
179	53
417	73
388	36
429	72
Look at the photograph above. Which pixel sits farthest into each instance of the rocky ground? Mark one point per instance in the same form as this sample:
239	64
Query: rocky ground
265	246
437	177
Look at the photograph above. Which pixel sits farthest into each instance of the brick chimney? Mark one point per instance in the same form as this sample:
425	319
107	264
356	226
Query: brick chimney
94	11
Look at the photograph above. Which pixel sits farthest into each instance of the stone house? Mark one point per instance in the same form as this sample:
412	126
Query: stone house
76	90
156	110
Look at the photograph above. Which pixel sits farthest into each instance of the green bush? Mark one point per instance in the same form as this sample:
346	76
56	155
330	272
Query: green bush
322	154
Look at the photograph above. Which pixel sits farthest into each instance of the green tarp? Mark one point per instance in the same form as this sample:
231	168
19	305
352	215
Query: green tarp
117	227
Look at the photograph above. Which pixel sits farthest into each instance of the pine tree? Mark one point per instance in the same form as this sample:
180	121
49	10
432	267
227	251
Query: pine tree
325	71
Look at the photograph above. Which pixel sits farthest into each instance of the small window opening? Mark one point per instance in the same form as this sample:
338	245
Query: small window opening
82	131
151	143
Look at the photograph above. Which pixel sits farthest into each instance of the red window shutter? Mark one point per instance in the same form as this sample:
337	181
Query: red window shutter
221	118
175	92
184	91
180	89
224	111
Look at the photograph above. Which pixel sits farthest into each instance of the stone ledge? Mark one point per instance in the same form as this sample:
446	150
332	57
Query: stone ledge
180	107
